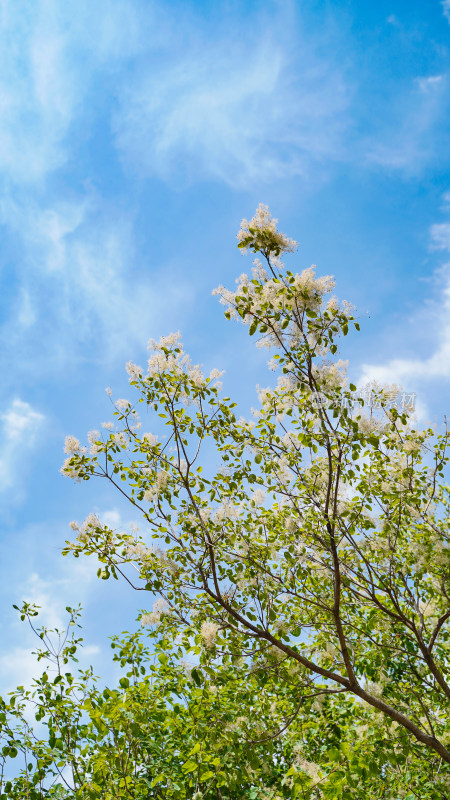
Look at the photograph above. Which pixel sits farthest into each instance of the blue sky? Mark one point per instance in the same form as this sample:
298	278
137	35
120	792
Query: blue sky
134	136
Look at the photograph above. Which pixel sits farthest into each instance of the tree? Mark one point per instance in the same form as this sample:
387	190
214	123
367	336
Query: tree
167	730
318	550
163	732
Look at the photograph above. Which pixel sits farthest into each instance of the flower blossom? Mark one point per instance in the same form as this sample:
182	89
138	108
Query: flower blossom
150	439
166	359
369	425
120	439
311	769
263	221
258	497
134	370
330	376
70	470
208	633
160	609
71	445
161	481
165	341
122	404
88	527
93	437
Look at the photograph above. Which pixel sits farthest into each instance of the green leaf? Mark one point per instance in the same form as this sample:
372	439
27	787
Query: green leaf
159	779
190	766
196	676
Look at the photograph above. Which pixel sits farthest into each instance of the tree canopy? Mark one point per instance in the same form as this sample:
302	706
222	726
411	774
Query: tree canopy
305	551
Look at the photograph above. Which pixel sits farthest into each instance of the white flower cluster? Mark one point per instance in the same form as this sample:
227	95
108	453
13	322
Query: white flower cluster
227	510
265	395
309	767
258	497
122	404
310	290
165	341
93	438
182	466
284	472
412	446
138	550
120	439
331	649
134	370
208	633
161	481
87	527
429	609
150	439
164	360
72	470
160	609
142	553
374	688
263	295
330	376
72	445
368	425
246	424
263	221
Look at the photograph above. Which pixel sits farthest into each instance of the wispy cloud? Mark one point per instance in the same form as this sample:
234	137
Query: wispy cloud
70	283
33	571
432	368
405	137
428	84
440	236
233	109
38	95
79	292
190	99
50	57
20	427
19	665
433	316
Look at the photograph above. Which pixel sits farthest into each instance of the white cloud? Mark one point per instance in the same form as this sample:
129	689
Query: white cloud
34	571
20	422
436	366
20	426
440	236
37	93
233	109
111	518
235	102
433	317
18	665
406	138
51	53
44	594
446	8
427	84
80	293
